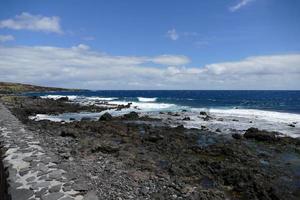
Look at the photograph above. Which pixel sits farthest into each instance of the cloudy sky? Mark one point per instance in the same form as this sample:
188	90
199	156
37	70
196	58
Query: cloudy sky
139	44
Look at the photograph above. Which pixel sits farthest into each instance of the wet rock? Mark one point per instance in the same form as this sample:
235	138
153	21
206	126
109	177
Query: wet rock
86	119
186	119
235	120
63	99
237	136
203	113
67	133
218	130
131	116
105	117
292	125
120	107
260	135
207	118
180	127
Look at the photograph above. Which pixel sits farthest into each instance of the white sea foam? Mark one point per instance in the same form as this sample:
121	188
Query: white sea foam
271	116
40	117
55	97
147	106
229	120
80	98
144	99
101	98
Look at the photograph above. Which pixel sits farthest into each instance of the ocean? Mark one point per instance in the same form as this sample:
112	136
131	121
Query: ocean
232	110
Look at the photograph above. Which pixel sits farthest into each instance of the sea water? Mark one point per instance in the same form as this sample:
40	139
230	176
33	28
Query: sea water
231	110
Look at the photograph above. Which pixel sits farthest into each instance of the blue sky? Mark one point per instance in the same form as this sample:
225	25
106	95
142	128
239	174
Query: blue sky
207	38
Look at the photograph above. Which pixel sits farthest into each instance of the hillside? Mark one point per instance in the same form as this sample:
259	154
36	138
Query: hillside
11	88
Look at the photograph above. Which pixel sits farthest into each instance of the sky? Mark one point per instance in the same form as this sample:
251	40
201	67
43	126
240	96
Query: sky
139	44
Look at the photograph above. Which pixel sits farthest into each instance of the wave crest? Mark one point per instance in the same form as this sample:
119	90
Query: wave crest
144	99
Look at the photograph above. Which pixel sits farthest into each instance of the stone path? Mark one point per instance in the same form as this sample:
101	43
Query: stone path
33	173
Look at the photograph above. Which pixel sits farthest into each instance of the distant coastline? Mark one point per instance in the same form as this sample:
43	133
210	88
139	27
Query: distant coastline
17	88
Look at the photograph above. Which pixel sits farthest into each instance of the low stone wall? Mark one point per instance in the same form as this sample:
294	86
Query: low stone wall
3	178
33	173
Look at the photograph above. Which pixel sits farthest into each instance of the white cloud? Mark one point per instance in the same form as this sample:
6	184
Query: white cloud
171	60
27	21
80	67
172	34
260	65
6	38
239	5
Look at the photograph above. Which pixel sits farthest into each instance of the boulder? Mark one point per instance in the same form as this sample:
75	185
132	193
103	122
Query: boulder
105	117
63	99
180	127
203	113
120	107
131	115
67	133
260	135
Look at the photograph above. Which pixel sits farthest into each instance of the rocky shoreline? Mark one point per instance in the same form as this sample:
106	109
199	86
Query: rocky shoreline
133	157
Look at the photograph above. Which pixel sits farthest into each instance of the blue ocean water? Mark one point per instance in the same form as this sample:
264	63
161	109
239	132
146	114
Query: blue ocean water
281	101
